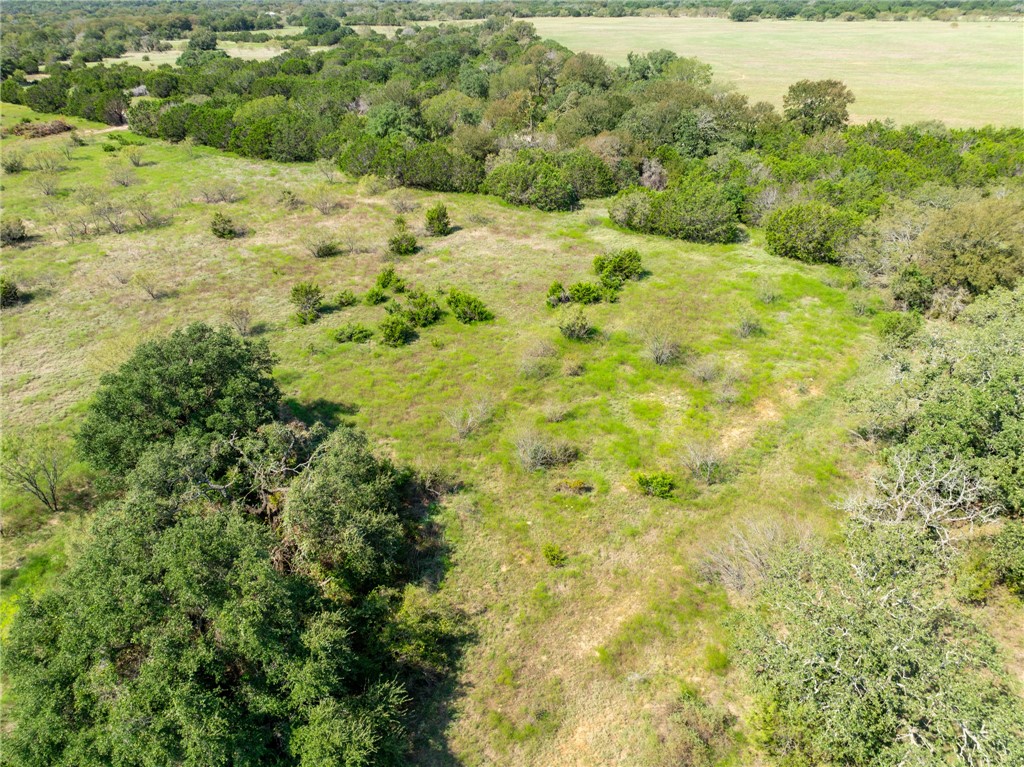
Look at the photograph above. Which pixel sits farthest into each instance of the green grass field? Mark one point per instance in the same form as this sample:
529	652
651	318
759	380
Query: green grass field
577	665
970	74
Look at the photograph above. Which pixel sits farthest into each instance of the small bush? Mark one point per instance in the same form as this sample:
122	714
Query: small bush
466	419
585	293
576	326
402	242
324	200
322	246
661	348
396	330
557	294
307	297
135	157
438	223
290	200
12	230
223	227
388	279
468	308
9	292
536	362
618	267
375	296
240	317
12	161
353	333
659	484
346	298
554	555
422	309
574	487
899	328
1007	556
749	327
705	463
535	451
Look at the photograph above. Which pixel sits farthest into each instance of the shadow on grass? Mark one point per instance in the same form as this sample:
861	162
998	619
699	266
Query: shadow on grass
331	414
444	630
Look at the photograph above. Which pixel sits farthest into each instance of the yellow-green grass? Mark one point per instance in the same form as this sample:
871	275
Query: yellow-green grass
570	666
967	74
256	51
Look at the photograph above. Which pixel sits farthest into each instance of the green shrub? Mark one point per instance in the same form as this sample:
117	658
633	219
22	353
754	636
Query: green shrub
585	293
223	227
308	298
438	223
974	577
899	328
576	326
12	230
554	555
353	333
976	246
375	296
659	484
1007	556
346	298
913	288
534	181
388	279
696	210
618	267
9	292
468	308
402	242
12	161
808	231
587	174
557	294
396	330
422	309
323	247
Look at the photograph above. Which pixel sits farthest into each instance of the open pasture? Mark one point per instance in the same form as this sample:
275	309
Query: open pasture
572	665
970	74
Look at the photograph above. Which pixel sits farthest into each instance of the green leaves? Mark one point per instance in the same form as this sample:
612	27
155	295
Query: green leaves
199	381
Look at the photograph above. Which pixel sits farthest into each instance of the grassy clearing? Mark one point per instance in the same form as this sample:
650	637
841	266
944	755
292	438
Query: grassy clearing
254	51
970	74
572	665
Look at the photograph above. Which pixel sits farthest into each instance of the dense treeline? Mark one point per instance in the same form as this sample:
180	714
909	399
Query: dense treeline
493	108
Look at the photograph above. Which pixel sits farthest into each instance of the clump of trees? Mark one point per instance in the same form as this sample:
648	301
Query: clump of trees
246	589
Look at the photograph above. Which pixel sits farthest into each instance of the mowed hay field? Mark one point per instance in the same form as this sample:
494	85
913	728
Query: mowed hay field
575	665
970	74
